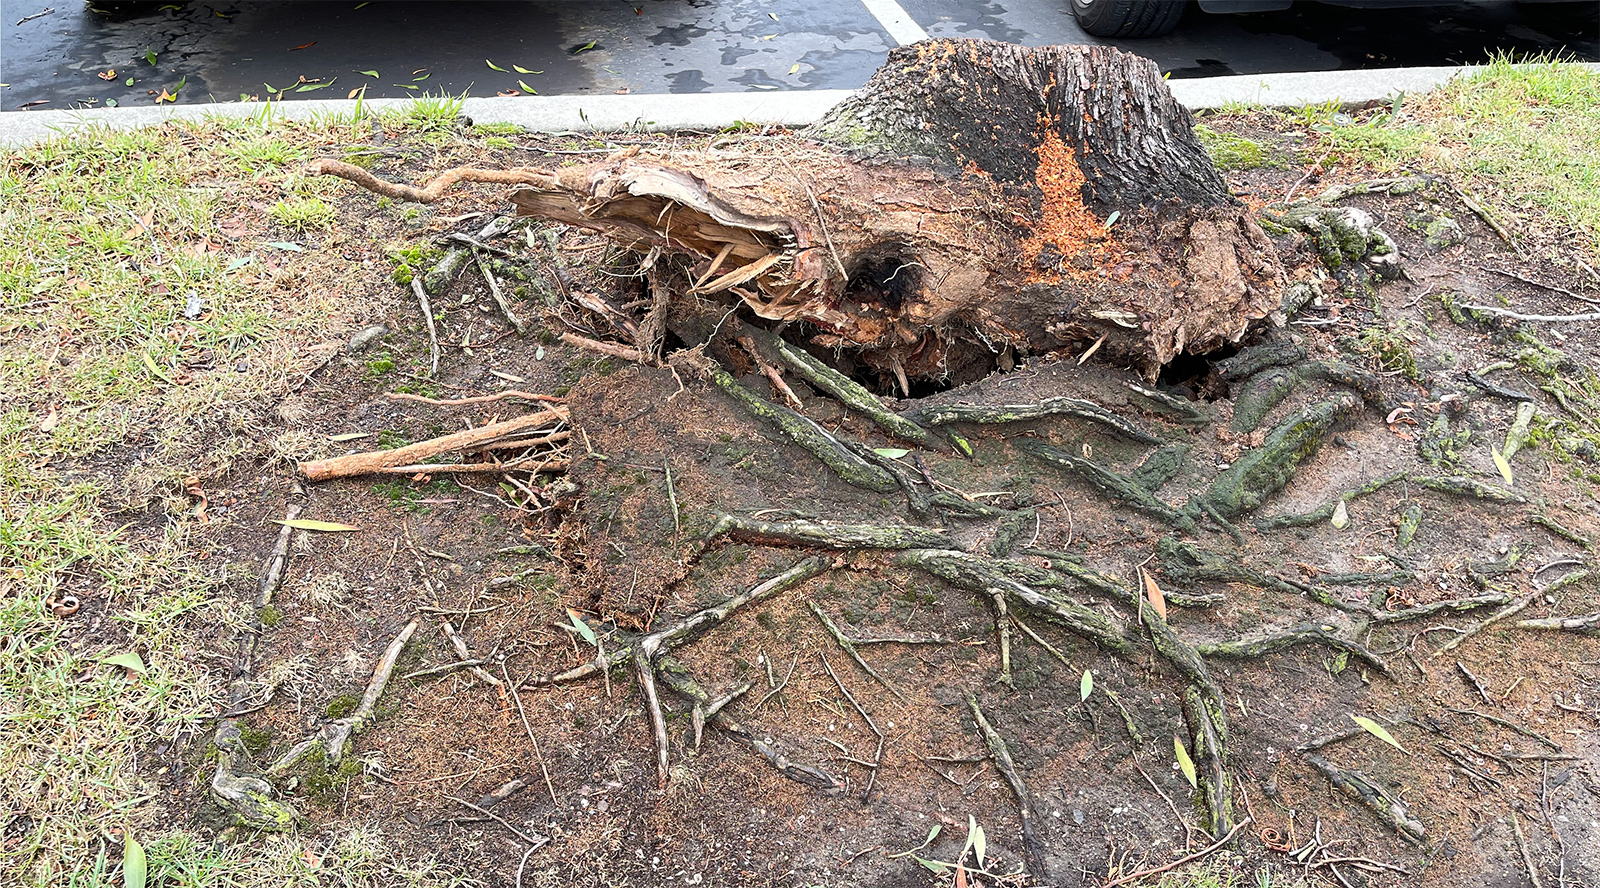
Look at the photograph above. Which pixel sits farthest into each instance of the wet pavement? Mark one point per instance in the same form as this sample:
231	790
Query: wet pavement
66	53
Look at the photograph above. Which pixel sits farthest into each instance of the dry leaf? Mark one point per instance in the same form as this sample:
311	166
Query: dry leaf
1157	598
323	526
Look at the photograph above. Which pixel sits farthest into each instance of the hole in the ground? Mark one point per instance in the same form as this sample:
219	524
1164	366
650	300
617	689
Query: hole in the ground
885	277
1192	374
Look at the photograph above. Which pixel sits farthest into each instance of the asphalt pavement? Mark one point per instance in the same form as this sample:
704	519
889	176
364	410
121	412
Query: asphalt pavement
61	54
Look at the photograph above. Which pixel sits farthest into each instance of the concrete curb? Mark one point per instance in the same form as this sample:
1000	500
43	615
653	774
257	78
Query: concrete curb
717	110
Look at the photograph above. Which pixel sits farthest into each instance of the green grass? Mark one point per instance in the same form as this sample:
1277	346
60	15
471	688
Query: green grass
1230	152
1525	137
111	393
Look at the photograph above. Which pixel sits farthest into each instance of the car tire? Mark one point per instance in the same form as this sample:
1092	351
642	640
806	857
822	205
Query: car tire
1128	18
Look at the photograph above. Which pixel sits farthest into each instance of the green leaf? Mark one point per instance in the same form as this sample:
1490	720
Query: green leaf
527	89
422	78
111	103
322	526
308	87
493	65
372	74
933	833
1501	464
979	843
129	660
584	48
1086	686
1341	516
1377	730
150	364
181	81
134	866
128	82
795	68
406	85
581	627
1185	764
150	56
521	70
890	452
937	867
1112	219
238	262
285	245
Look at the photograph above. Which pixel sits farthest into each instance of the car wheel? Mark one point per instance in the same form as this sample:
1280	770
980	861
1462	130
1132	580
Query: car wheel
1128	18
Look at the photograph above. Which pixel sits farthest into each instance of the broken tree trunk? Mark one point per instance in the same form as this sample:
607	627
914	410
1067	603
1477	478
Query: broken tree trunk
973	198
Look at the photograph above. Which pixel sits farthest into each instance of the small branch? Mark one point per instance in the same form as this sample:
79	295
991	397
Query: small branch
536	843
877	757
500	300
1002	625
1499	616
1518	316
538	754
378	460
1544	286
1358	786
1589	624
440	670
460	644
658	723
1488	220
1511	725
1522	845
433	330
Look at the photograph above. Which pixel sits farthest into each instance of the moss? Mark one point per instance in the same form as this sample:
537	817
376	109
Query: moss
1390	349
342	705
270	616
1231	152
255	740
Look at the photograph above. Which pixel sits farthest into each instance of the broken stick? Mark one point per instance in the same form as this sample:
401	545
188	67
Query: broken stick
379	460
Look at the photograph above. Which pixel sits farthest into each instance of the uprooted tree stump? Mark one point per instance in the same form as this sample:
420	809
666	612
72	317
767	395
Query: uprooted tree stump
974	199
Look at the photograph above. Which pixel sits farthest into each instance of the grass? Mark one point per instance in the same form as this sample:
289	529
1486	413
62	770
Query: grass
1231	152
146	331
1525	137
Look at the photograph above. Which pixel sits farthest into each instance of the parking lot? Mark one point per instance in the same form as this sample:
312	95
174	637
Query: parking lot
66	53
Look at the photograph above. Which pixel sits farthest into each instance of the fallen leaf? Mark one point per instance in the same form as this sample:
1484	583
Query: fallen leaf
349	436
135	868
521	70
1153	593
372	74
285	245
129	661
150	56
980	845
303	46
493	65
794	68
890	452
1377	730
108	74
508	93
165	96
1085	686
527	89
354	92
150	364
583	48
1501	464
772	16
581	627
1185	764
1341	516
321	526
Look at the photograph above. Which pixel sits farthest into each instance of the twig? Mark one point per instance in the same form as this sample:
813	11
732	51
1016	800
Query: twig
433	331
850	648
460	644
537	843
1522	845
877	757
1517	316
517	323
1203	852
776	688
1026	630
672	496
480	399
1544	286
1506	723
1476	684
1002	625
334	736
448	667
538	754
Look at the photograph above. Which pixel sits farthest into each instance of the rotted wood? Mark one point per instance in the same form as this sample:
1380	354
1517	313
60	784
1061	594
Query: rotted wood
960	204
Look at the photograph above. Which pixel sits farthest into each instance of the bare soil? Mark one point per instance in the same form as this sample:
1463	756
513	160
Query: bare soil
625	558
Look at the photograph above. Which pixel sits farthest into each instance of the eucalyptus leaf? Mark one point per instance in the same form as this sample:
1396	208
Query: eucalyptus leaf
130	660
320	526
1085	686
135	868
1185	764
581	627
890	452
1377	730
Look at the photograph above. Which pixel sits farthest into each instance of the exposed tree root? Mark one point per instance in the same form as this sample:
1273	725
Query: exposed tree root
1261	472
1560	530
853	395
1460	485
1370	793
1325	512
1032	847
986	414
1588	624
332	740
832	536
877	757
1181	409
436	186
1188	562
850	648
807	434
1301	633
1109	482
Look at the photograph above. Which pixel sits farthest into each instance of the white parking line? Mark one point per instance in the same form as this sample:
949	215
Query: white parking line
895	20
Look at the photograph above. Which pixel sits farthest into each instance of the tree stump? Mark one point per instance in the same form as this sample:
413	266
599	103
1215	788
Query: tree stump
975	200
